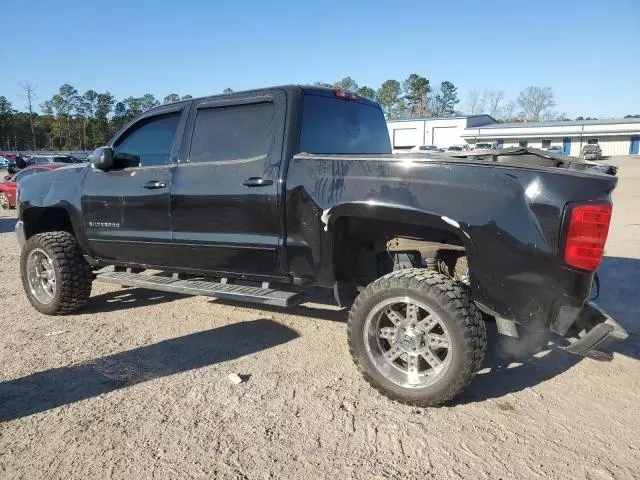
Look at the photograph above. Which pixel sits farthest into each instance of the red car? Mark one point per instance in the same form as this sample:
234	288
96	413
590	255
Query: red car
9	156
9	186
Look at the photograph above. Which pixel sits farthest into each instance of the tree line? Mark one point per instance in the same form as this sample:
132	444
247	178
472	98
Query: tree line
70	120
415	98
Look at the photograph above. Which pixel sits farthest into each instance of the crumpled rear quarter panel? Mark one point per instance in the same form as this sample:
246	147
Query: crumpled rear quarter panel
508	218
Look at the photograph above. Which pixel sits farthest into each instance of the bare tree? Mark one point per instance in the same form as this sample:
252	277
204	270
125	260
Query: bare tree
494	98
29	96
508	111
534	101
471	101
481	107
480	102
553	116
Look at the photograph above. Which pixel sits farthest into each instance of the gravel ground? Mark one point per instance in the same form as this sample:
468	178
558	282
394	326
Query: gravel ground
136	387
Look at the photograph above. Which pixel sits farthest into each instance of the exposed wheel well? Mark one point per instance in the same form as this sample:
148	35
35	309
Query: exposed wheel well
39	220
366	249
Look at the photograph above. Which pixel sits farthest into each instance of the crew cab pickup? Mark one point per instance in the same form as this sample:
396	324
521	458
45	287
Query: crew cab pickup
263	196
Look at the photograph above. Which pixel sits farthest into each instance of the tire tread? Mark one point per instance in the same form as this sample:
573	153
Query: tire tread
74	289
453	297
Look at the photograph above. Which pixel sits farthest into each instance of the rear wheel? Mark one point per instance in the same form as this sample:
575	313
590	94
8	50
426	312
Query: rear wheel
417	337
55	276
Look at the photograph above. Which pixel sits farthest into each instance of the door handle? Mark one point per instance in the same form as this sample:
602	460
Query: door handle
257	182
154	185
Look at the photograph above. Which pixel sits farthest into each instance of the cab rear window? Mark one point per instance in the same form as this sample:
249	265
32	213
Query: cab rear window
335	126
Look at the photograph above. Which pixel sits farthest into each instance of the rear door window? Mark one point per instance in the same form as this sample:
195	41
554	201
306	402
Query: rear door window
335	126
231	133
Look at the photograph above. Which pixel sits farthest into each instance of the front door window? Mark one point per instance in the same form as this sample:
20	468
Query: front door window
148	143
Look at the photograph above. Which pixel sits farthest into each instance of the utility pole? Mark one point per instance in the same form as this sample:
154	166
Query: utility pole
29	96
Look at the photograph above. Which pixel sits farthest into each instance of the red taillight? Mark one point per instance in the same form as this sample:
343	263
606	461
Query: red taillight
587	234
345	95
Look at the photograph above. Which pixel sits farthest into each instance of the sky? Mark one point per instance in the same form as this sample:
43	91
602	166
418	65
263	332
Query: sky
587	51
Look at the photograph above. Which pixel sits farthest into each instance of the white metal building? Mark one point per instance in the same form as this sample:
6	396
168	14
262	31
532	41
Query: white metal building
615	137
442	132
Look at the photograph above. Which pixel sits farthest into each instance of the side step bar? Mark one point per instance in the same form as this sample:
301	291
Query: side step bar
226	291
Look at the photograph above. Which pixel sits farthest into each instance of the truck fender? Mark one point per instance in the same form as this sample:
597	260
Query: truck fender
395	213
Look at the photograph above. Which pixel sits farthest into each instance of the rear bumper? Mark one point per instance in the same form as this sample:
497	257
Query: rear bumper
19	231
597	331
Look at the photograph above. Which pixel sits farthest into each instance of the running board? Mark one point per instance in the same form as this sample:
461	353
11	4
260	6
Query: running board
226	291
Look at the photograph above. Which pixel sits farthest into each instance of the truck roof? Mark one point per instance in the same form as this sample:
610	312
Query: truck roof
305	89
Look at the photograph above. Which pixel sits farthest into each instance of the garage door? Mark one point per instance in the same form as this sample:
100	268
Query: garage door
444	137
405	137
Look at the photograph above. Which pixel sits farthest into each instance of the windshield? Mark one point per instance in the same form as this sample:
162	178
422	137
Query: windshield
335	126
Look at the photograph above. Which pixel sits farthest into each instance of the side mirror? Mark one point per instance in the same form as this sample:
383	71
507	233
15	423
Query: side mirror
102	158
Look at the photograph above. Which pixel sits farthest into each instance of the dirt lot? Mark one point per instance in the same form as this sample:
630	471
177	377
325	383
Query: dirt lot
136	387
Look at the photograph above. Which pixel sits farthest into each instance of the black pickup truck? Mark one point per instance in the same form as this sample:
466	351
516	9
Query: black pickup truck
266	195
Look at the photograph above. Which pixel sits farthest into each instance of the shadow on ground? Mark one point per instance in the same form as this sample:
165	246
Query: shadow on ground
512	365
7	224
330	314
128	298
620	298
61	386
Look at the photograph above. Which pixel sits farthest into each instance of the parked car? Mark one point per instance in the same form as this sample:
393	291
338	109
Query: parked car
455	148
591	152
49	159
9	185
9	156
424	148
13	167
483	146
4	162
556	150
286	191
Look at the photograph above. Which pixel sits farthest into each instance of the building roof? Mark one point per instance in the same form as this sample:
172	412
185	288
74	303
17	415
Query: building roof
455	117
566	123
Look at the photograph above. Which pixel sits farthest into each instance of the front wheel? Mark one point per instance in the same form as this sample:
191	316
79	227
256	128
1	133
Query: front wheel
417	337
55	276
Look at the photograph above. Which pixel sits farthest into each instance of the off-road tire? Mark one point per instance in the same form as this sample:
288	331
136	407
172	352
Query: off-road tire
448	299
72	272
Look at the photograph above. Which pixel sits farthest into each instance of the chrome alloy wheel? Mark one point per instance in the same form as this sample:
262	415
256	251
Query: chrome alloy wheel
407	342
41	276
